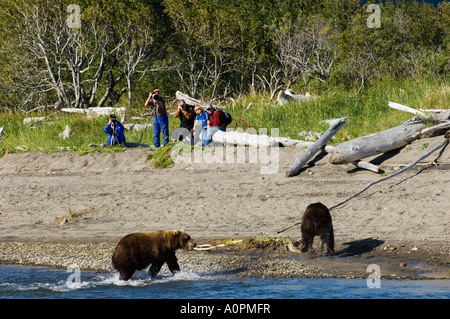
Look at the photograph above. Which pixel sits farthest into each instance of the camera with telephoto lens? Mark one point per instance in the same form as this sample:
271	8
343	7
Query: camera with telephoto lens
155	97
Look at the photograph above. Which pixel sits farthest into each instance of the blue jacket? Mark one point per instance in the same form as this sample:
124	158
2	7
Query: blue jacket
119	132
203	118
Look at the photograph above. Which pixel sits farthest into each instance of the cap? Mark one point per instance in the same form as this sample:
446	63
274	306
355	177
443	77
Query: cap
209	106
112	116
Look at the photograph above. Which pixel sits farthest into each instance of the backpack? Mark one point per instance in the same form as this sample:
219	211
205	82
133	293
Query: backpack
228	117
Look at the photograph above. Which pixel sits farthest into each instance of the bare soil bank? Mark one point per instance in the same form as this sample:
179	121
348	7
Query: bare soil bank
402	221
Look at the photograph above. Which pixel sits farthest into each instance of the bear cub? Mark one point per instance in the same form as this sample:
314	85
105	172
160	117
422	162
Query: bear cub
316	221
137	251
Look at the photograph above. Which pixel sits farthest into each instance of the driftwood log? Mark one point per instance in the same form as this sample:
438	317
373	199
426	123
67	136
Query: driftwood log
295	168
436	128
188	99
376	143
405	108
241	138
289	96
97	111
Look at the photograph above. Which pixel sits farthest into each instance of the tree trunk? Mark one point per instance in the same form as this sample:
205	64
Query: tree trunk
376	143
295	168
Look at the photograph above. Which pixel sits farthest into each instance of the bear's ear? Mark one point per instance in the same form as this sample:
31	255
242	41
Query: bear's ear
175	232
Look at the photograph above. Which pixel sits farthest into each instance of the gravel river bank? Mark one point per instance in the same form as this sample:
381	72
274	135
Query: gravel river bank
400	263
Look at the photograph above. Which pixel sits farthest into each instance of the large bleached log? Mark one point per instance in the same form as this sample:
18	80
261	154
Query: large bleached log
241	138
405	108
96	111
295	168
289	96
376	143
433	114
189	100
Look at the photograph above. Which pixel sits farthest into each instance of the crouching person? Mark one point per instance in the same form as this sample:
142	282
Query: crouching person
116	132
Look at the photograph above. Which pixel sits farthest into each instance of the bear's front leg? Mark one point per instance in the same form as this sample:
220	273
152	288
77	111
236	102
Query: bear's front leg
155	268
172	262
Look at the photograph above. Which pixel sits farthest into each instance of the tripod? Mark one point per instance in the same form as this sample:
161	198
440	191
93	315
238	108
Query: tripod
113	137
149	119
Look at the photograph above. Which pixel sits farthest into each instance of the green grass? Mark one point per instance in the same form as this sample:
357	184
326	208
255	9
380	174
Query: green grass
162	157
369	112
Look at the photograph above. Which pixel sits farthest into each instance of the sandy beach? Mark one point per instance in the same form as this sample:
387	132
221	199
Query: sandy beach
401	224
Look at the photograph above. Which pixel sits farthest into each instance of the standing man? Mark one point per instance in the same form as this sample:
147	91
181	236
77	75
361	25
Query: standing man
160	120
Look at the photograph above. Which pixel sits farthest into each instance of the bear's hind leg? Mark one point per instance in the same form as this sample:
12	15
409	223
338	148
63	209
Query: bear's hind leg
329	241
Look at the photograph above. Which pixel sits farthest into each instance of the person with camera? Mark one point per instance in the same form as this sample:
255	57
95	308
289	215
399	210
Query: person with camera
160	120
186	114
116	132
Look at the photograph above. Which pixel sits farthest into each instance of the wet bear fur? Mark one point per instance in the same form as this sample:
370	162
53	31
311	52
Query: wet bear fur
137	251
316	221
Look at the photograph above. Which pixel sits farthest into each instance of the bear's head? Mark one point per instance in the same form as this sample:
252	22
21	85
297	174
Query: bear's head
183	240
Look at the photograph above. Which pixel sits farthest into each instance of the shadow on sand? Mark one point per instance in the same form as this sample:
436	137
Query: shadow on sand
359	247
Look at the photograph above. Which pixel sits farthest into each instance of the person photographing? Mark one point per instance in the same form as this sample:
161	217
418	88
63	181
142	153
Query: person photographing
116	132
160	119
186	114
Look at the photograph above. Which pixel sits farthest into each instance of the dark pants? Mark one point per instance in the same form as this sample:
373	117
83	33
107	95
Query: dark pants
160	123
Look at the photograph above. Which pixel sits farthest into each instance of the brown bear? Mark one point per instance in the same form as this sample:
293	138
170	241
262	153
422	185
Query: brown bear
316	221
138	250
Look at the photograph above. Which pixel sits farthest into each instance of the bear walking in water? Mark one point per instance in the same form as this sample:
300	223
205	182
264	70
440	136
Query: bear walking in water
316	221
138	250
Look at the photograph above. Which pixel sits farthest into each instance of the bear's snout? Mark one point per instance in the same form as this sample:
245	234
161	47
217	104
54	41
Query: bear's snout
190	245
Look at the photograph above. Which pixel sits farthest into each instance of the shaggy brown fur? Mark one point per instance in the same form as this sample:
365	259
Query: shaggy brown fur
138	250
316	221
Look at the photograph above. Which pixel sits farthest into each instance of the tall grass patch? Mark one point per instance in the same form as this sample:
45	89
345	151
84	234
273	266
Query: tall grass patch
368	112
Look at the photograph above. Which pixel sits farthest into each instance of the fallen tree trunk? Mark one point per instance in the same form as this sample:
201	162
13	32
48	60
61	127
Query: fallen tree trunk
436	128
295	168
97	111
241	138
189	100
376	143
405	108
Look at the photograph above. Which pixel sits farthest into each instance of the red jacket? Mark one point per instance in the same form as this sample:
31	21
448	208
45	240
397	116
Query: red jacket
217	119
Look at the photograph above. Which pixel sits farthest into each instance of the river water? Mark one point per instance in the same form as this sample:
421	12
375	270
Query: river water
22	282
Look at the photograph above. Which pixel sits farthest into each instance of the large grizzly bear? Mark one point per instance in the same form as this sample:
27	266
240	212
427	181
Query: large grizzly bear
138	250
316	221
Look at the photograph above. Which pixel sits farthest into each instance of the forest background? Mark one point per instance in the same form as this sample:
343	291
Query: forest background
354	55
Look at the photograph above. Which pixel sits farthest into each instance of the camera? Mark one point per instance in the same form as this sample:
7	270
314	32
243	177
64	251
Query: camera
155	97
